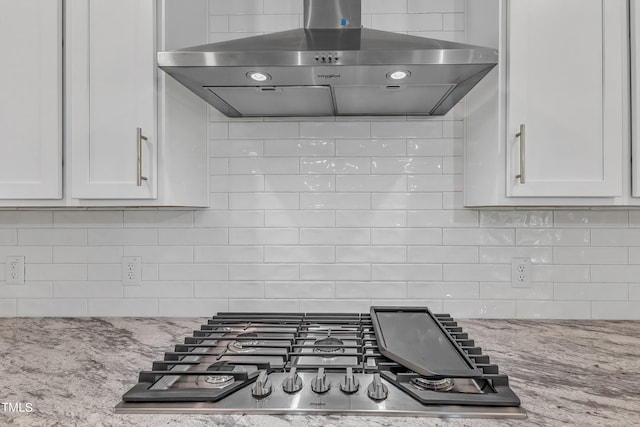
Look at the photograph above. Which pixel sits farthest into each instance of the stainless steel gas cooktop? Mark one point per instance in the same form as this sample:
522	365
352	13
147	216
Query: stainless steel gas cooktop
391	361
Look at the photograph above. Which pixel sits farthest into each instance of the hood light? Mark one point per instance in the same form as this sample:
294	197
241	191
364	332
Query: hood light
258	76
398	75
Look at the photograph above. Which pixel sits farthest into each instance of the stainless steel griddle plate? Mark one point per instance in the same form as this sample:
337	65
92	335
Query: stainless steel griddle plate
413	337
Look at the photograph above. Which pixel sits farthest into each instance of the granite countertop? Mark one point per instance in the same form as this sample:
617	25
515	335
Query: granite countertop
74	371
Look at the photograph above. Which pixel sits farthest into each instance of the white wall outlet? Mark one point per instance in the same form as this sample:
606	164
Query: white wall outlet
15	270
131	270
520	273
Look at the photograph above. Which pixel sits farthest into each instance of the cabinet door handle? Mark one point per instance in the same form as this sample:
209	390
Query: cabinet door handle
140	138
523	139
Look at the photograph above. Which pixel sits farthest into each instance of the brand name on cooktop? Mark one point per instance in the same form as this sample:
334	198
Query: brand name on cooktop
328	76
317	404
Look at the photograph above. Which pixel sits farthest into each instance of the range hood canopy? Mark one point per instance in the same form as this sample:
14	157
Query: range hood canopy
331	67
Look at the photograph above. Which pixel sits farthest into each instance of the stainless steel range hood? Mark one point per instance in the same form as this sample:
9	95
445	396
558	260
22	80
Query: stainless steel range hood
331	67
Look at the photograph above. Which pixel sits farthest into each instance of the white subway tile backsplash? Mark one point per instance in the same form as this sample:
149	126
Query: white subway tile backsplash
262	130
194	236
370	183
435	147
197	307
504	291
335	236
228	254
406	236
51	236
615	310
409	129
263	236
179	272
26	219
335	165
236	183
591	219
553	309
299	254
432	6
435	183
407	165
235	148
88	219
123	307
300	183
443	218
442	254
406	201
27	290
335	129
519	219
354	290
263	165
371	147
263	23
335	201
283	290
590	255
371	219
327	214
371	254
481	308
408	22
441	290
591	291
477	237
48	272
120	237
264	272
408	272
96	289
300	148
553	237
108	272
8	236
59	307
357	272
300	218
260	201
477	272
226	289
496	255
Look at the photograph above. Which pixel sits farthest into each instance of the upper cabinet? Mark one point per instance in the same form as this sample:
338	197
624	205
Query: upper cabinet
31	99
133	137
549	127
112	101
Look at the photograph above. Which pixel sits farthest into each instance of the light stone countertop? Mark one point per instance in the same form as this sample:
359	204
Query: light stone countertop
74	371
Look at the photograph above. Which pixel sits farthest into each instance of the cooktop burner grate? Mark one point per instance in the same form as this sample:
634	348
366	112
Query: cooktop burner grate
284	363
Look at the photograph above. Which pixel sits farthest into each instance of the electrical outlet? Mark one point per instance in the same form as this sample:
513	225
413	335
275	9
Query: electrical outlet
520	273
131	270
15	270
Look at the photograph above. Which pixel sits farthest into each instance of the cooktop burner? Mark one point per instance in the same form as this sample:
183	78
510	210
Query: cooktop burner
296	363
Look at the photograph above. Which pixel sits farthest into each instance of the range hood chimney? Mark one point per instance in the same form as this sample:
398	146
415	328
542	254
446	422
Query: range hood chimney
331	67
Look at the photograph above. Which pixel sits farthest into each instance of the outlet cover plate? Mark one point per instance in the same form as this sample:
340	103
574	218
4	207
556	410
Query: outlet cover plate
520	272
14	270
131	270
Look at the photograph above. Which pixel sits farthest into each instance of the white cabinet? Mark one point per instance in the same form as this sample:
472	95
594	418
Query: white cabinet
113	96
31	99
635	95
112	117
548	127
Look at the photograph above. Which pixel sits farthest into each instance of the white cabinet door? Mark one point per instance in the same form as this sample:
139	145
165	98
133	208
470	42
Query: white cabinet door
31	99
635	97
112	88
565	98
